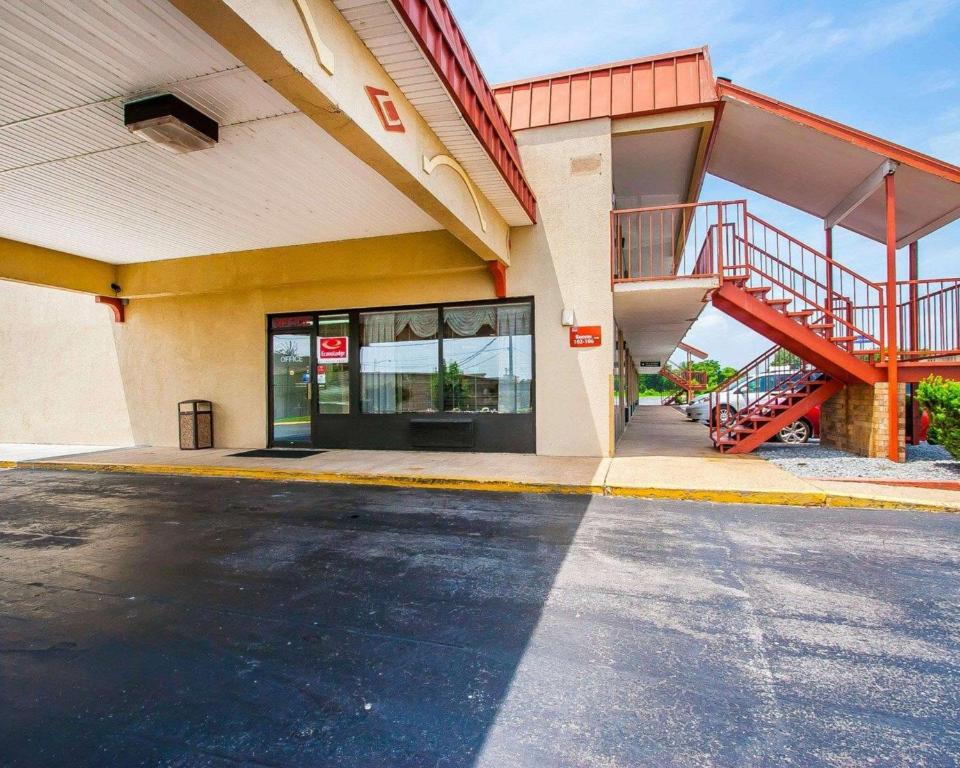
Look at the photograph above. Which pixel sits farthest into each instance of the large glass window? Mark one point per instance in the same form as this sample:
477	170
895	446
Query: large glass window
487	358
333	364
399	361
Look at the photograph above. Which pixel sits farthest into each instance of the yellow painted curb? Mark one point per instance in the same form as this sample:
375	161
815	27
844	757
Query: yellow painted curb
869	502
778	498
344	478
798	499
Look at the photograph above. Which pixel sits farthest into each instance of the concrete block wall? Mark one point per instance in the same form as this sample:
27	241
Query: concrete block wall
856	420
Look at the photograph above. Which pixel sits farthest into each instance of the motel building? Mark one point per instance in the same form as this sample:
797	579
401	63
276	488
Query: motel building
319	216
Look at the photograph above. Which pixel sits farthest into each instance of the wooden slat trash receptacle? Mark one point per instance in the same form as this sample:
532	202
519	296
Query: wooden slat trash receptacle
196	424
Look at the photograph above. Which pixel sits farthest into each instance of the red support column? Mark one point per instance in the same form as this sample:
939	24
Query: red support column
828	233
893	374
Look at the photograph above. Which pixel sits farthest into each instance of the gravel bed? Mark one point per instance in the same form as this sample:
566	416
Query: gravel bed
924	462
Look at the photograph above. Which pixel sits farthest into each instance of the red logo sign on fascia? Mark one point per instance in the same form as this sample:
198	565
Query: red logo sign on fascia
585	336
332	348
385	108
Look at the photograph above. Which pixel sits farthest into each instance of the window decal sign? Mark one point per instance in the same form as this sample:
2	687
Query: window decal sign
333	349
585	336
385	108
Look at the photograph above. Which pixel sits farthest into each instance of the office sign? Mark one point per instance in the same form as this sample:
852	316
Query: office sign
585	336
332	349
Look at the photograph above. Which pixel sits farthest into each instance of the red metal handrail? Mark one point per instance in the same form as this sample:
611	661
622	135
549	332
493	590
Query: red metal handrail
671	241
773	382
814	281
928	312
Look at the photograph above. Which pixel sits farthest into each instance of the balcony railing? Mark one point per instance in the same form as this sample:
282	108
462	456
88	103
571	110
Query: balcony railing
675	241
928	319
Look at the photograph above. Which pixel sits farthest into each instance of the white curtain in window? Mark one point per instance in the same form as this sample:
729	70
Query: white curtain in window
378	388
513	320
422	323
467	321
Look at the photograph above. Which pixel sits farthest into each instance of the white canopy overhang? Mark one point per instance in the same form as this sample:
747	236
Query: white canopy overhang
829	170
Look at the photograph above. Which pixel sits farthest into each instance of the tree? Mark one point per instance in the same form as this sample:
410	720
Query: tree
786	358
942	399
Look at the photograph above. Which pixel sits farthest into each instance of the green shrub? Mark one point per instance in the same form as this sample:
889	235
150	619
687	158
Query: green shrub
942	400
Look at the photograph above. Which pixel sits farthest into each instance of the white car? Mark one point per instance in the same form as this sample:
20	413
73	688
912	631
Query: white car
732	401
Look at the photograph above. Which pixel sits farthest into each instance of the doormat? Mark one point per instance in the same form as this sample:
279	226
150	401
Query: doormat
276	453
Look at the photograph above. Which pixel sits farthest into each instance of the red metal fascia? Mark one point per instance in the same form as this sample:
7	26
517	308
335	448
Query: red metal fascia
840	131
433	26
667	82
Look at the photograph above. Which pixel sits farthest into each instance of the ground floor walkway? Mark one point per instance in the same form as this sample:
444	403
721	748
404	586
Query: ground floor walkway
709	477
662	430
185	621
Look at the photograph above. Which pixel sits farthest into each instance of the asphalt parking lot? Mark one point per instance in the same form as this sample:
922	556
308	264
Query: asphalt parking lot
152	621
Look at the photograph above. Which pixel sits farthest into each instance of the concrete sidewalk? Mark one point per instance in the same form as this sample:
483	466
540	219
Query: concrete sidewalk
714	478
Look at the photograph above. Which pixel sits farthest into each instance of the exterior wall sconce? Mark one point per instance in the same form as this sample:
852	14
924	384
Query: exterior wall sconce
170	123
568	317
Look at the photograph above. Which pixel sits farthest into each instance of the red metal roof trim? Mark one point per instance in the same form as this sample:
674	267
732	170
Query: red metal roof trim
668	81
439	37
838	130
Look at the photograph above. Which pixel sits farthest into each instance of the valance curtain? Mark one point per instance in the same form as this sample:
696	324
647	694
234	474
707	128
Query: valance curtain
510	320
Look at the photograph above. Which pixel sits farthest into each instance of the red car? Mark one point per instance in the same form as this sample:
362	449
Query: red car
809	426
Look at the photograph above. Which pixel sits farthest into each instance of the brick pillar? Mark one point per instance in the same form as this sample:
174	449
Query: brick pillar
855	420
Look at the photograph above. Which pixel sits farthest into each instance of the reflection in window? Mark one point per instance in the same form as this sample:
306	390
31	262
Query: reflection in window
398	361
333	364
488	358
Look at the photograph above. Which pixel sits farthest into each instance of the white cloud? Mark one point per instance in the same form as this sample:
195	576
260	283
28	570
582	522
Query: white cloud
520	39
795	40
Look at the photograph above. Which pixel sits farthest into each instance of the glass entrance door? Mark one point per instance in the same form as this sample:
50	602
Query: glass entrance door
292	388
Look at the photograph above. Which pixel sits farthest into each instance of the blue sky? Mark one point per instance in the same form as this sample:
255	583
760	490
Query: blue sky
890	68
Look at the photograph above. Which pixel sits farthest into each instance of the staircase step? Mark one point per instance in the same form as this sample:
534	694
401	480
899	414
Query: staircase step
778	302
801	313
819	326
842	338
759	290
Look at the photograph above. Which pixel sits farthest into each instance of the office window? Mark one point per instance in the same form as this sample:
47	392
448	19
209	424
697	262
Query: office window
488	358
399	361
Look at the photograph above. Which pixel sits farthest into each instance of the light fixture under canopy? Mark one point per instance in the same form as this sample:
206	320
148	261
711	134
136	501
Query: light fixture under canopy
170	123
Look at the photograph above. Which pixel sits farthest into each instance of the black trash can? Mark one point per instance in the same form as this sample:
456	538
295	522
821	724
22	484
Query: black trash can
196	424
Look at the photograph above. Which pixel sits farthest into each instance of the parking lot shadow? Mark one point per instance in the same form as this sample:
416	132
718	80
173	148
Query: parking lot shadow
201	622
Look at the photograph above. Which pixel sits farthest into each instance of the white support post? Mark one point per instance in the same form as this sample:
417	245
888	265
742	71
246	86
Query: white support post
861	192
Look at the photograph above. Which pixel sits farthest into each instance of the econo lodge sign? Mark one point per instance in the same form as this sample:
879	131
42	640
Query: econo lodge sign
333	349
585	336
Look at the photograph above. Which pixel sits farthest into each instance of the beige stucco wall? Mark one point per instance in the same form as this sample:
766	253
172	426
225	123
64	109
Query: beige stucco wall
565	262
60	379
196	327
213	345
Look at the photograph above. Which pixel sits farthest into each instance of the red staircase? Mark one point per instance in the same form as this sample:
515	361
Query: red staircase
818	309
686	379
762	398
823	312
